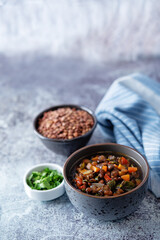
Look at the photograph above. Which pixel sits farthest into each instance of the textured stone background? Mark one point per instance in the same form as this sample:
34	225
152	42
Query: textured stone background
28	84
54	52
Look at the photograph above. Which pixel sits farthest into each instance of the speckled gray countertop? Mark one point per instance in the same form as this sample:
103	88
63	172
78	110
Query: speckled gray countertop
28	84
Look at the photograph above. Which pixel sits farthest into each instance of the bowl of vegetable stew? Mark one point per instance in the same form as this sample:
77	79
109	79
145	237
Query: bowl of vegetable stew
106	181
65	128
44	182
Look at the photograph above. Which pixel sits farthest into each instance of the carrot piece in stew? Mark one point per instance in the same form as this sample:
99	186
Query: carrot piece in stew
104	168
95	158
132	169
95	169
126	177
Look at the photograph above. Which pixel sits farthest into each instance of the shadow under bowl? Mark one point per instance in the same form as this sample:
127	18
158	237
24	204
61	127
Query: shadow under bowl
65	146
109	207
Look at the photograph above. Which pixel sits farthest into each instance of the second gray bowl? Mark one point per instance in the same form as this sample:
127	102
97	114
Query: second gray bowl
65	146
110	207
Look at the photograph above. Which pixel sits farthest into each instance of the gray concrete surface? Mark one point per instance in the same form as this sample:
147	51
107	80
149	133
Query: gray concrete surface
28	84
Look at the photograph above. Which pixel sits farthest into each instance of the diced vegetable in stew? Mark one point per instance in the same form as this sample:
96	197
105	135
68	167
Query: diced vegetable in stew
107	175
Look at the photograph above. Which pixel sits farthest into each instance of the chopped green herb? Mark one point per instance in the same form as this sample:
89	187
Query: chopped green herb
44	180
127	185
112	184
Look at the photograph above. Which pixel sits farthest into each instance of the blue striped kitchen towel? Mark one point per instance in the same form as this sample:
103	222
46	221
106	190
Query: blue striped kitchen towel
129	114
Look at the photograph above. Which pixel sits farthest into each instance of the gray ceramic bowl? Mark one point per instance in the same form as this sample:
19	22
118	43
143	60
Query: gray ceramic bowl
68	146
110	207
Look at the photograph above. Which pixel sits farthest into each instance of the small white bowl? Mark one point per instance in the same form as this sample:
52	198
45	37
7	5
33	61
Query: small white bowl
44	195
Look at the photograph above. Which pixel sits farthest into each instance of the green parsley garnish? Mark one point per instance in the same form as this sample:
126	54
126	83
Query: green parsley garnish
44	180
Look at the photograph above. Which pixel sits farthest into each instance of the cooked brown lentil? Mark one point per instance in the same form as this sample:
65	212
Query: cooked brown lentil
65	123
106	175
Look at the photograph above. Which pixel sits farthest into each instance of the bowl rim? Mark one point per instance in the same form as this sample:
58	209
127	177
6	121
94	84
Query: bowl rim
104	197
81	107
43	165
